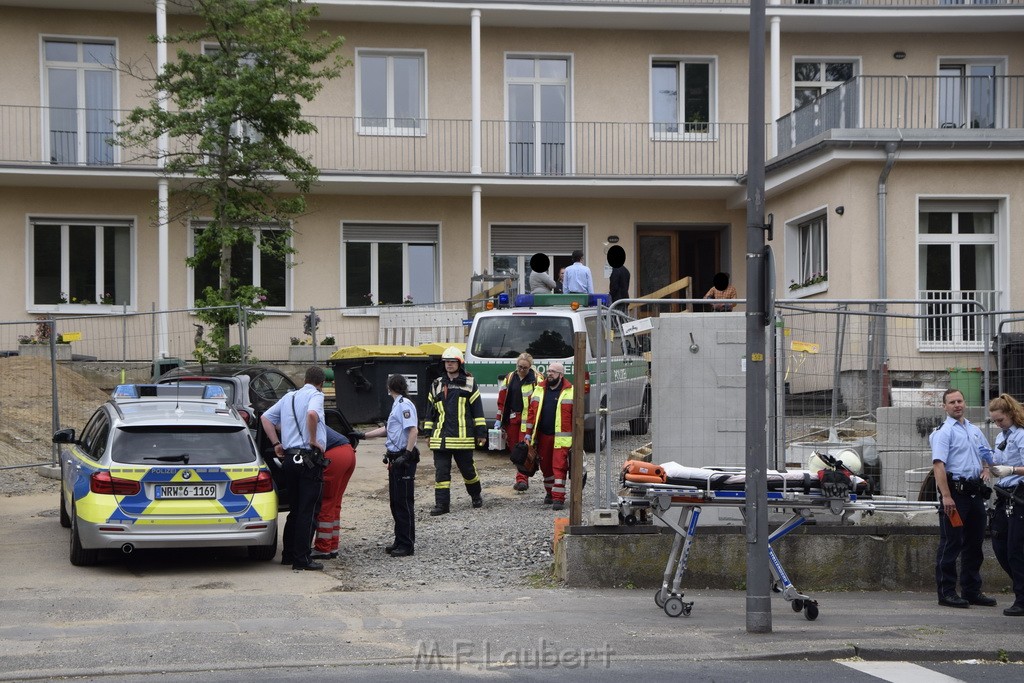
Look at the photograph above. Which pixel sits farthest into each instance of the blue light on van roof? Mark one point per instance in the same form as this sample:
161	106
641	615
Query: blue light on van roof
593	299
524	300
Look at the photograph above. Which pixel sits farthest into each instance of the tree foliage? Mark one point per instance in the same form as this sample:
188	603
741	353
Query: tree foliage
234	92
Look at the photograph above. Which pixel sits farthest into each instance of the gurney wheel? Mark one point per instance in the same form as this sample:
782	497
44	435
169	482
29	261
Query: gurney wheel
811	610
630	520
659	598
675	606
797	605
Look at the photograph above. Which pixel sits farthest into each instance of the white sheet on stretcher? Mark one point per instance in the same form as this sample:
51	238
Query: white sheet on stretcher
712	477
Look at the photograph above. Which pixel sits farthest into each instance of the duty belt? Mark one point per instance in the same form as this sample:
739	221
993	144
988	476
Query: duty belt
969	487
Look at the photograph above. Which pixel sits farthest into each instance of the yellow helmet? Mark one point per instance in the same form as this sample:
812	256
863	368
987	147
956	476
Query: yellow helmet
453	353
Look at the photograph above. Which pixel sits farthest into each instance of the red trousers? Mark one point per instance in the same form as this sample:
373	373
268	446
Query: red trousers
554	465
336	476
514	435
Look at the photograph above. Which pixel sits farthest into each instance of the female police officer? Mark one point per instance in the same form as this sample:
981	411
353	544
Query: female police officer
1008	515
401	458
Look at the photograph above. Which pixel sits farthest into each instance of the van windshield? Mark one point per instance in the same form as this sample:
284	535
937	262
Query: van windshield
508	336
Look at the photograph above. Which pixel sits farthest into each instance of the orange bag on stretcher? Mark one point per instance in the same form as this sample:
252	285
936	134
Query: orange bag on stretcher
643	472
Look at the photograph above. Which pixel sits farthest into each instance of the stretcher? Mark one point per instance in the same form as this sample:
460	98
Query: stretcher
678	505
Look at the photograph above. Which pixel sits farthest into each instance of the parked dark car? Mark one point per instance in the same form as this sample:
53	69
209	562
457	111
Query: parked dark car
266	385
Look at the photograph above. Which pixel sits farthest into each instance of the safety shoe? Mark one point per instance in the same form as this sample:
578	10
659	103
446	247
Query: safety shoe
401	552
520	486
478	502
558	505
1014	610
953	600
311	567
981	599
333	555
547	500
389	548
438	510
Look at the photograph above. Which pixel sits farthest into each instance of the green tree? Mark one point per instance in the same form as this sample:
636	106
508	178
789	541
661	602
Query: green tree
234	96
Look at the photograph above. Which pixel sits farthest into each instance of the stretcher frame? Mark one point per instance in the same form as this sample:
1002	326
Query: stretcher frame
687	502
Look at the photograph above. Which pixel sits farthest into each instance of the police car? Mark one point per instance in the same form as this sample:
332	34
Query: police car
165	466
544	325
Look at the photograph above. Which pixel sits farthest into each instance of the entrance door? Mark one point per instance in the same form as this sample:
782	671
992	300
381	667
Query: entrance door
666	254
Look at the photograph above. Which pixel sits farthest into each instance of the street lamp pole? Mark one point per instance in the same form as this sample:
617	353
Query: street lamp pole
759	608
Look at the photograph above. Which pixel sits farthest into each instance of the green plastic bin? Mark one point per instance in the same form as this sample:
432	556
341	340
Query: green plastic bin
968	381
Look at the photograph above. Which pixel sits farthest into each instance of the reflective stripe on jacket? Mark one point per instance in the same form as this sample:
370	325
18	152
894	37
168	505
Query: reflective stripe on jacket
455	414
563	416
526	386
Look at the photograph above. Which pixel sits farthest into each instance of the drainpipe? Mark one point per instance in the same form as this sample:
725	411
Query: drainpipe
877	347
476	166
163	212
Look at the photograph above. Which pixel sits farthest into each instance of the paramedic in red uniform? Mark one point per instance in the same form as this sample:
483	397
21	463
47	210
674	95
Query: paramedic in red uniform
341	464
513	404
549	427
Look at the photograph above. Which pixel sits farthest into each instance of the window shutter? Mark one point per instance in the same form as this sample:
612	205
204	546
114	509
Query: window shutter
376	232
530	239
951	205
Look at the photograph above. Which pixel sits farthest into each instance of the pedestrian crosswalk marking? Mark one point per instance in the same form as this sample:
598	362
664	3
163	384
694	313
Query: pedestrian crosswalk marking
901	672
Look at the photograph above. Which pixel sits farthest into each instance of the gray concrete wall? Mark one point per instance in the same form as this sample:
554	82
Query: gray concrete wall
698	395
816	559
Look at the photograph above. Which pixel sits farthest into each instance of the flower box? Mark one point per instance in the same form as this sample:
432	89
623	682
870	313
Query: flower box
303	353
43	350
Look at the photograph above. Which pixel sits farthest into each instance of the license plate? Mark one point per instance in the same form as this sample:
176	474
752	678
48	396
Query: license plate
186	491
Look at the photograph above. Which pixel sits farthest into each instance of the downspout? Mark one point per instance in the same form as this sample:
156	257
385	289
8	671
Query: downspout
890	161
877	344
476	165
163	201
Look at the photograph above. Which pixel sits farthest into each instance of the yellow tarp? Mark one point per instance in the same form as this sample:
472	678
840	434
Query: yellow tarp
437	348
376	350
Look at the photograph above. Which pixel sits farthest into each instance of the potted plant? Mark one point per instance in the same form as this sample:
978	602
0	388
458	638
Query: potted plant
38	344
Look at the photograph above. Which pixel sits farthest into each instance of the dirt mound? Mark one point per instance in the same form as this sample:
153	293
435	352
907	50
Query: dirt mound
26	407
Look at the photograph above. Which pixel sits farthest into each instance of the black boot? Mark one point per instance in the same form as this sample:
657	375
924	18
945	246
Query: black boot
442	499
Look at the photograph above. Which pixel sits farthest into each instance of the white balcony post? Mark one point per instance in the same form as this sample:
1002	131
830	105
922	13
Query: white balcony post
477	230
474	92
163	212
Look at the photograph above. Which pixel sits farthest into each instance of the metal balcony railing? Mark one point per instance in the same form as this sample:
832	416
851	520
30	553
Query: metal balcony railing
950	104
42	136
746	3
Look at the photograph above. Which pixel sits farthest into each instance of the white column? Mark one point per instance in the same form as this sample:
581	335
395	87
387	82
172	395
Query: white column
163	212
474	91
478	230
774	25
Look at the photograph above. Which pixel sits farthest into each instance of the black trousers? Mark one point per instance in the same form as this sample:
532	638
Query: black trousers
401	484
1008	544
305	486
965	542
443	474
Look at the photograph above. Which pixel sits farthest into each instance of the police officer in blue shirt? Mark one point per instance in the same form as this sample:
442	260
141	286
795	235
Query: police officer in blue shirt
1008	515
401	458
960	460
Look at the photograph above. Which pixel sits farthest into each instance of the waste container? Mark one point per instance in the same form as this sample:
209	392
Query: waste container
361	375
1012	363
968	381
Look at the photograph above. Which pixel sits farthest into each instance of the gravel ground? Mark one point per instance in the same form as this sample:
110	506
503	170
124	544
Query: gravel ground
507	543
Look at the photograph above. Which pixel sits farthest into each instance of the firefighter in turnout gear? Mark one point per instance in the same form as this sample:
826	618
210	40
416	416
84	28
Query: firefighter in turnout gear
456	424
513	404
548	428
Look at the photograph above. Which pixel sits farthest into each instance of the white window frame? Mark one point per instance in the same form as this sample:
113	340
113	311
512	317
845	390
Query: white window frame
358	300
681	133
1000	266
80	67
65	222
419	130
256	265
1002	101
822	85
568	160
816	219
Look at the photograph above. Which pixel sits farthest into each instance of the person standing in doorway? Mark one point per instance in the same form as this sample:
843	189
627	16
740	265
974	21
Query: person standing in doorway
960	460
721	289
578	279
618	281
540	282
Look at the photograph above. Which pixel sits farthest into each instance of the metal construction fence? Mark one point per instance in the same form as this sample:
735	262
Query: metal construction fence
861	380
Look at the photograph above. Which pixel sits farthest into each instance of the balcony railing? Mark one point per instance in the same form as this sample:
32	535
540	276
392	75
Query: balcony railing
948	105
42	136
955	322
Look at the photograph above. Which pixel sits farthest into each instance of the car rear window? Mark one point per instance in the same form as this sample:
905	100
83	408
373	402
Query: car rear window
203	445
508	336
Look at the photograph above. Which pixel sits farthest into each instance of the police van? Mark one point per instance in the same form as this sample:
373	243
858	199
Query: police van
544	325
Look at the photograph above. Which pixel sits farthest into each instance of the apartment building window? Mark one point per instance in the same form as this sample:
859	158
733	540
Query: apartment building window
512	247
79	92
249	266
682	95
812	78
80	261
969	93
389	263
957	242
537	97
807	265
391	87
242	130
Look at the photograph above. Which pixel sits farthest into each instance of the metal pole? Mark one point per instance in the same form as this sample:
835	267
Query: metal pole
124	341
759	607
54	398
579	368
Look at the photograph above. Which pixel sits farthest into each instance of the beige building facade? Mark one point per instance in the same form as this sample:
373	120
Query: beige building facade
466	136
